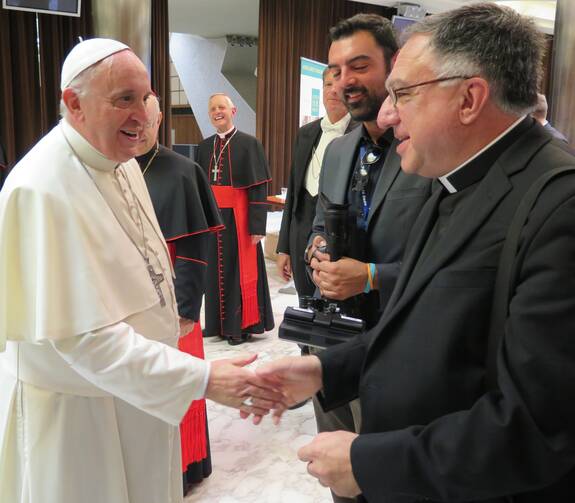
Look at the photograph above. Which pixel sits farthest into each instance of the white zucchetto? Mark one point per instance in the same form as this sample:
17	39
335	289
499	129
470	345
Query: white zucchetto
86	54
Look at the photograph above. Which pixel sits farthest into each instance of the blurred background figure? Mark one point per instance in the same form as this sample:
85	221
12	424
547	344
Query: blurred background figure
237	295
299	211
540	114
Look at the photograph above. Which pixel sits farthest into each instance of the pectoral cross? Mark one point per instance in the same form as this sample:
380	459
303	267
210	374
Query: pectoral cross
216	172
156	280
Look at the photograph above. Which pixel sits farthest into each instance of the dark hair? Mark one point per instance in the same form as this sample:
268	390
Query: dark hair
378	26
490	41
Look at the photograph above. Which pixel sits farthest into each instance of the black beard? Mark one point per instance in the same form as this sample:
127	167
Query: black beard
365	110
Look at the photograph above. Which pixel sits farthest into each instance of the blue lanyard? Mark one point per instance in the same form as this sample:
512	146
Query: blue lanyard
365	204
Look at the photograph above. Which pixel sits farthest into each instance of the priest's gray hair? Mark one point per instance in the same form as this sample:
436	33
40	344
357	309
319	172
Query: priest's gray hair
492	42
81	83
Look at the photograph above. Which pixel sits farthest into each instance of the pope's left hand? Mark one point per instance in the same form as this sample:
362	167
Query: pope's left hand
341	279
328	458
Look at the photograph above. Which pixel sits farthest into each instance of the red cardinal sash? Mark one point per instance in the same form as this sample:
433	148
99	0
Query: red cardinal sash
237	200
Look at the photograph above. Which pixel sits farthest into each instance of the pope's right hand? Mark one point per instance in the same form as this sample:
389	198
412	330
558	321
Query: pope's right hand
231	384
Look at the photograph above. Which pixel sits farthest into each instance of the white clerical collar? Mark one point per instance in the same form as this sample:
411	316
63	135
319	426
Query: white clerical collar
339	127
85	150
223	135
444	180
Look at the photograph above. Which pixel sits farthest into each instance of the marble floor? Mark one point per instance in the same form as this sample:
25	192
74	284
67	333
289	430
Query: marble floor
258	464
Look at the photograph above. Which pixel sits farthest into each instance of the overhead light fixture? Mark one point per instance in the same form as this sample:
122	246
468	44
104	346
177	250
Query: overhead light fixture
411	10
242	40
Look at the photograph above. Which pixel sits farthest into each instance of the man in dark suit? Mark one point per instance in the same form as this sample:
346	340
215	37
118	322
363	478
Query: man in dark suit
362	169
438	424
299	211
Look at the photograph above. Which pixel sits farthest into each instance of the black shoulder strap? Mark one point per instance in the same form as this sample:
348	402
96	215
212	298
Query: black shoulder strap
503	279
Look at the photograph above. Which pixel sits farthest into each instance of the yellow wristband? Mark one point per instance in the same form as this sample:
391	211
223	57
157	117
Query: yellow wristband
369	282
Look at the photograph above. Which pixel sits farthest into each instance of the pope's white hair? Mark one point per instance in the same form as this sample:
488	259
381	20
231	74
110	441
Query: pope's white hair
81	83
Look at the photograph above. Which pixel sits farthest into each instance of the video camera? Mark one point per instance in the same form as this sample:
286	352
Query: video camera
319	321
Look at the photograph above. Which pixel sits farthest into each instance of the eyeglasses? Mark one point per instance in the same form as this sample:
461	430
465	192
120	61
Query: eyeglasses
361	177
393	93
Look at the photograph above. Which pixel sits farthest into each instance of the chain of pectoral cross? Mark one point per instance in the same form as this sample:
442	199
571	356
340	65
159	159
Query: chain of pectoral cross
217	160
156	278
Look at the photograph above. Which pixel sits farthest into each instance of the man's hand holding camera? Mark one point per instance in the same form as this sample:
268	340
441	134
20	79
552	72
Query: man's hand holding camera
337	280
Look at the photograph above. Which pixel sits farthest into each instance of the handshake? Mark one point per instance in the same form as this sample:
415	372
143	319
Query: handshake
275	386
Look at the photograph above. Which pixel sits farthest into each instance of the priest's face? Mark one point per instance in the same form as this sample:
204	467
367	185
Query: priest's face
426	115
112	112
359	71
221	111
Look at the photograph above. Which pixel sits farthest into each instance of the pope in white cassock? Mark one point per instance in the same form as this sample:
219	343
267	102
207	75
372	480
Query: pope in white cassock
91	389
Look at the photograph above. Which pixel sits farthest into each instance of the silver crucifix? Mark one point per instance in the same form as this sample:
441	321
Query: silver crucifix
156	280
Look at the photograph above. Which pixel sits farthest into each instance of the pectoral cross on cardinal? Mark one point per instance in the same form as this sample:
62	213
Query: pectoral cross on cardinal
156	280
216	173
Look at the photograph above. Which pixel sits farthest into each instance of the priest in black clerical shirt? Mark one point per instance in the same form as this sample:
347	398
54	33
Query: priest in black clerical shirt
237	296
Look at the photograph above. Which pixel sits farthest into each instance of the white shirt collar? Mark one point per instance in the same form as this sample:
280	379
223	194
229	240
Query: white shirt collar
223	135
444	179
340	126
85	151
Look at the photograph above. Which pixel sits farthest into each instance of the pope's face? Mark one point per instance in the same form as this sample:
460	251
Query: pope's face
221	113
113	111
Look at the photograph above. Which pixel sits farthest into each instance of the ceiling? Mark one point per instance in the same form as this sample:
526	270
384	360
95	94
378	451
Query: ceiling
543	11
217	18
214	18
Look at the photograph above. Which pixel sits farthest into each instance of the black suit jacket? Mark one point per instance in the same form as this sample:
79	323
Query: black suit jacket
295	230
397	200
432	430
305	141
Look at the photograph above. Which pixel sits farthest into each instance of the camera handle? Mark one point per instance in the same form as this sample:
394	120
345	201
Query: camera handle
335	224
